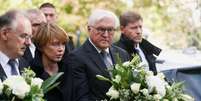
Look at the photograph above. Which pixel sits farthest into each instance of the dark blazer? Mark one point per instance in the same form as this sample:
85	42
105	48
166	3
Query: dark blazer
148	49
27	55
22	64
56	94
87	63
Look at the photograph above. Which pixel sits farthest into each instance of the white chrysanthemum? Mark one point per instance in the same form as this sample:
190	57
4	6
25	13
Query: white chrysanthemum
117	79
135	87
186	97
156	83
126	64
36	82
113	93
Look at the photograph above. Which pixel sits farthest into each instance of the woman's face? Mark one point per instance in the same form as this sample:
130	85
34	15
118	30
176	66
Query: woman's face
54	50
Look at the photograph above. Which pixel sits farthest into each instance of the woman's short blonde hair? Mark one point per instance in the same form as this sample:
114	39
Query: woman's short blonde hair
47	32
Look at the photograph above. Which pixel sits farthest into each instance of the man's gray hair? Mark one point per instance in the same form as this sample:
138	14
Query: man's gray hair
9	18
33	11
99	14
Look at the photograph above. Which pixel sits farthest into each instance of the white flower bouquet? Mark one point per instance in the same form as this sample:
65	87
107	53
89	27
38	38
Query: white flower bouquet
130	82
26	87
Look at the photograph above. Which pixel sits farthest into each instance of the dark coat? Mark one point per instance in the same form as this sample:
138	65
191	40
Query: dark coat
87	63
56	94
148	49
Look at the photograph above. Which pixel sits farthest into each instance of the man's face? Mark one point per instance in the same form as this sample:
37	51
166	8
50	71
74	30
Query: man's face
101	34
50	14
36	20
18	38
133	31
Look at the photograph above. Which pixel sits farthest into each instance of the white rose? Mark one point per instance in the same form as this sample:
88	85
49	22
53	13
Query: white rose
36	82
11	81
117	78
113	93
175	99
156	83
135	87
149	73
186	97
1	87
165	100
18	86
157	97
144	91
126	64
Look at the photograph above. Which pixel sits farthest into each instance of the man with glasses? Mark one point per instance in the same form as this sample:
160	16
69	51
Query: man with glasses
15	35
131	40
94	57
36	18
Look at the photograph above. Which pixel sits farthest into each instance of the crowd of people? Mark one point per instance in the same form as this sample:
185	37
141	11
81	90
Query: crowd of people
32	38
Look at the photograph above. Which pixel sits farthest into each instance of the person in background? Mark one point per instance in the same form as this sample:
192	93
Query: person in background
49	10
36	17
15	36
50	41
94	57
131	40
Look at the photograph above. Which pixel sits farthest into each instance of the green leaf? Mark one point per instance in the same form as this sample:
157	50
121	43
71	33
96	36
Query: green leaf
50	81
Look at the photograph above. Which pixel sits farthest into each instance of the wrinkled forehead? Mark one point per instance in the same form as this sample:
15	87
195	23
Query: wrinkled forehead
23	25
105	21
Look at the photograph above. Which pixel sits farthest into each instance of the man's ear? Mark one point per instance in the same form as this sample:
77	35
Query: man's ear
88	28
4	33
122	28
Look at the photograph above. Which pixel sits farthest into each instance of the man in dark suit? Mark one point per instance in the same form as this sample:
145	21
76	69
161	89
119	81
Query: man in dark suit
131	40
88	61
15	34
36	17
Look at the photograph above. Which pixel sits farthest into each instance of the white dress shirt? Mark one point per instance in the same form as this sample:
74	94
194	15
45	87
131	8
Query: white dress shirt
32	48
144	60
6	67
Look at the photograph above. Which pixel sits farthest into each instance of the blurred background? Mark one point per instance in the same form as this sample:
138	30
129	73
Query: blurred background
169	24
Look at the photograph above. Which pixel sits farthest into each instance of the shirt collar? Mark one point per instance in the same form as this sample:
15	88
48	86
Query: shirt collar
4	59
98	49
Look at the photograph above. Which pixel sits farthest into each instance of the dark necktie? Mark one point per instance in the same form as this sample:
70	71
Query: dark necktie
106	58
12	63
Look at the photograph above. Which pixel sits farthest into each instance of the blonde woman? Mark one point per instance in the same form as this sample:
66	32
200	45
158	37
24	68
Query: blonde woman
50	41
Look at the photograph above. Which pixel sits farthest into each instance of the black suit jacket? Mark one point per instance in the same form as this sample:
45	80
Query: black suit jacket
27	55
22	64
87	63
148	49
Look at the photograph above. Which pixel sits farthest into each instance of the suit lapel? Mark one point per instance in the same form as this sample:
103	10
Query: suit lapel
95	57
22	64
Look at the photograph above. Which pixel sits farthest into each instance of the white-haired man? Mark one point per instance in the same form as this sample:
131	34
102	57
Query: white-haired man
15	35
94	57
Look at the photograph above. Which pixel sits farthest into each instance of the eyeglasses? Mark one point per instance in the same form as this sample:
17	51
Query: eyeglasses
103	30
25	36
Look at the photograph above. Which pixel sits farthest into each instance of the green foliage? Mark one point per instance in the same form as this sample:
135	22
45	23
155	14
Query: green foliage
167	19
50	82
